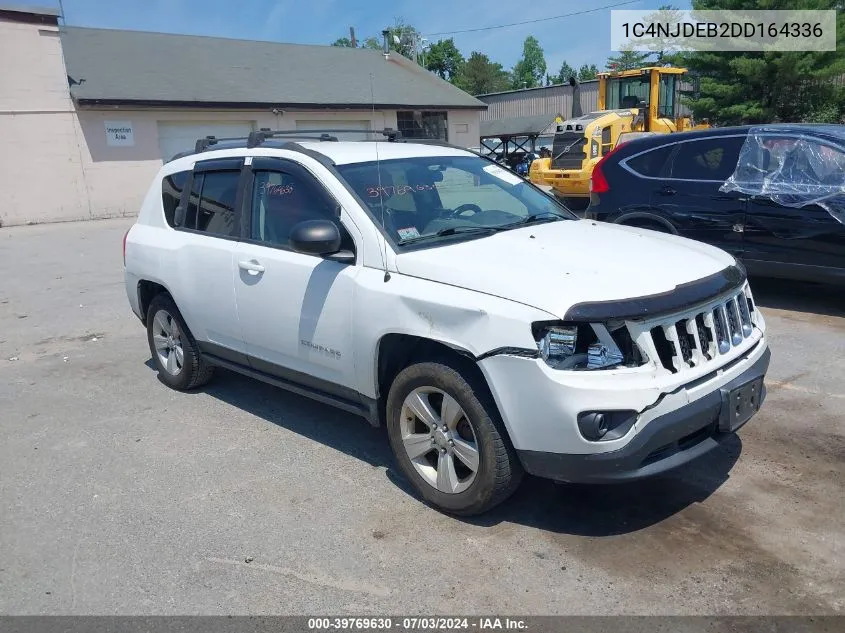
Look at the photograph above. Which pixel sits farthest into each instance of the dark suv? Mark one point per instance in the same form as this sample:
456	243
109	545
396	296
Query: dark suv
672	183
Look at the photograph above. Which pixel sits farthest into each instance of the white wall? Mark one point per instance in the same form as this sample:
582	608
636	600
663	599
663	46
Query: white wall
464	127
41	174
63	169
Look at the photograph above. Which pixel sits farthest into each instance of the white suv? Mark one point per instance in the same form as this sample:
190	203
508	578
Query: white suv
431	291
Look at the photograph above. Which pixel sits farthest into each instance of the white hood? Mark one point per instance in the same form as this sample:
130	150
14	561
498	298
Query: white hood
556	265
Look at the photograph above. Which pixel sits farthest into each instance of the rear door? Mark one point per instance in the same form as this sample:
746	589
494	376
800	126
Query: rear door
204	261
632	182
781	237
688	192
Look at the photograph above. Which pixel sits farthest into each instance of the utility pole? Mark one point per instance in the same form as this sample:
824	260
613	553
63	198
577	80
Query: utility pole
352	37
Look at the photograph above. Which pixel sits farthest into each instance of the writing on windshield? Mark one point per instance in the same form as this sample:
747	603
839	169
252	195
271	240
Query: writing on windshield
397	190
429	199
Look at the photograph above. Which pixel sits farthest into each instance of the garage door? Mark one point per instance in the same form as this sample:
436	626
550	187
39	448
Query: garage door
305	124
181	136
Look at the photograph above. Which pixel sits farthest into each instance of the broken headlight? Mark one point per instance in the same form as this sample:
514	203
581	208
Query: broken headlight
586	346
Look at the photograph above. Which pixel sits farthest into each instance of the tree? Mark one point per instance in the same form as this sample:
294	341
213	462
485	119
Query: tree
404	39
585	73
444	59
479	75
529	70
566	71
627	60
670	14
750	87
659	45
373	43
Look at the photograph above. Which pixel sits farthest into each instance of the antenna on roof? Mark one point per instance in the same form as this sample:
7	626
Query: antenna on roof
383	252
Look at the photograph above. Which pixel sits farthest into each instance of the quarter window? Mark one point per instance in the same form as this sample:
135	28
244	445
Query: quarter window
707	159
171	193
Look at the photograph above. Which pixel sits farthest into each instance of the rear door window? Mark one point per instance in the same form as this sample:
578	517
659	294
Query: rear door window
711	159
650	163
211	207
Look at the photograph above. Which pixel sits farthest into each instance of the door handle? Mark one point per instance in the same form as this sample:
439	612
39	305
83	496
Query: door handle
667	191
252	267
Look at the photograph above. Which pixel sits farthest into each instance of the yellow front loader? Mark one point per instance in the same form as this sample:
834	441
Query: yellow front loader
641	100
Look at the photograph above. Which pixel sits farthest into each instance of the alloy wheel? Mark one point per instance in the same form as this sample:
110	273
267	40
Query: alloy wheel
167	339
439	440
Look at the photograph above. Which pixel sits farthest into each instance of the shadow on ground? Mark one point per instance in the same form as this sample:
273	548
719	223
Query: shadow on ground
607	510
539	503
799	296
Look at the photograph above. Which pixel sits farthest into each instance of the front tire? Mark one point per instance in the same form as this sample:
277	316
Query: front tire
175	352
449	440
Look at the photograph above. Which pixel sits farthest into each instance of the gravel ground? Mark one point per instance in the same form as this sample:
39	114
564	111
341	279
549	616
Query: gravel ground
120	496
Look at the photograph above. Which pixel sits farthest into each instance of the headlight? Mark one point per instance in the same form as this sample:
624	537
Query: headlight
558	344
586	346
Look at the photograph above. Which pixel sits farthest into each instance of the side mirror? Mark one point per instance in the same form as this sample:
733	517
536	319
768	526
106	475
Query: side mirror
319	237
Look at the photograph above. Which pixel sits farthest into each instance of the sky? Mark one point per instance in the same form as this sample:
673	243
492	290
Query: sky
579	39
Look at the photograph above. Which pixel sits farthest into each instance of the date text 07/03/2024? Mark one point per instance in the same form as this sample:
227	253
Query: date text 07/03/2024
416	624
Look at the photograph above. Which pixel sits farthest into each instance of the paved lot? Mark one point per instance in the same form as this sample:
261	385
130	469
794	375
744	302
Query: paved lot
119	496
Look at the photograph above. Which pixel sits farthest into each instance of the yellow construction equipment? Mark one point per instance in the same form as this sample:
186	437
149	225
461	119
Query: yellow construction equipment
640	100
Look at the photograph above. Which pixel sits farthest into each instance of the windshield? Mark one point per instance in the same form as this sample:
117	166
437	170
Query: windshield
430	198
627	92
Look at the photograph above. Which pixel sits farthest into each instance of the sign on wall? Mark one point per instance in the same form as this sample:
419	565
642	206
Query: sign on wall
119	133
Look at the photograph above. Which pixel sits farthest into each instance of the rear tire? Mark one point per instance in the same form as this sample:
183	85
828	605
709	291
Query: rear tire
174	349
464	469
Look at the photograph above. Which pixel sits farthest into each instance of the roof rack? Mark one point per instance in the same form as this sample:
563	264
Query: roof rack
324	134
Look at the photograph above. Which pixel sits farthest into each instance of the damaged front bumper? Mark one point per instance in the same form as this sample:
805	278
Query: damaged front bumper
674	423
666	442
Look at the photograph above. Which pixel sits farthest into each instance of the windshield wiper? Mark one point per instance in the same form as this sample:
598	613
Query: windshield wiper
452	230
534	218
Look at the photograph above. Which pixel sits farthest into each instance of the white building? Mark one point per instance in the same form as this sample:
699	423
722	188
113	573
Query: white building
88	115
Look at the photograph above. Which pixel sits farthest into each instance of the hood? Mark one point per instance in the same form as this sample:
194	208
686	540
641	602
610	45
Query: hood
557	265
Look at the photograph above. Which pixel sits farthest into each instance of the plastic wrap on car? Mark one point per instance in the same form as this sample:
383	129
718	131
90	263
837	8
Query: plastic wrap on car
791	168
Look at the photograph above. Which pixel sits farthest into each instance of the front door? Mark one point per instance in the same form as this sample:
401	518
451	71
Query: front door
689	192
295	310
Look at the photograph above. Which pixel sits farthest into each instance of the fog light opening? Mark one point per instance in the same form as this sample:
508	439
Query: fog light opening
598	426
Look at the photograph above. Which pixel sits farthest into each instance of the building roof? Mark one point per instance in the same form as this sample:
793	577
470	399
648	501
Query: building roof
112	67
520	91
29	9
29	14
518	126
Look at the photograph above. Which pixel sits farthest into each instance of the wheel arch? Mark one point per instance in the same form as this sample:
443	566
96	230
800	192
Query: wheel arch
147	290
395	351
639	218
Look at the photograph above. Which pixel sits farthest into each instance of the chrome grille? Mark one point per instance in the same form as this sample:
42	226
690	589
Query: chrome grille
692	339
